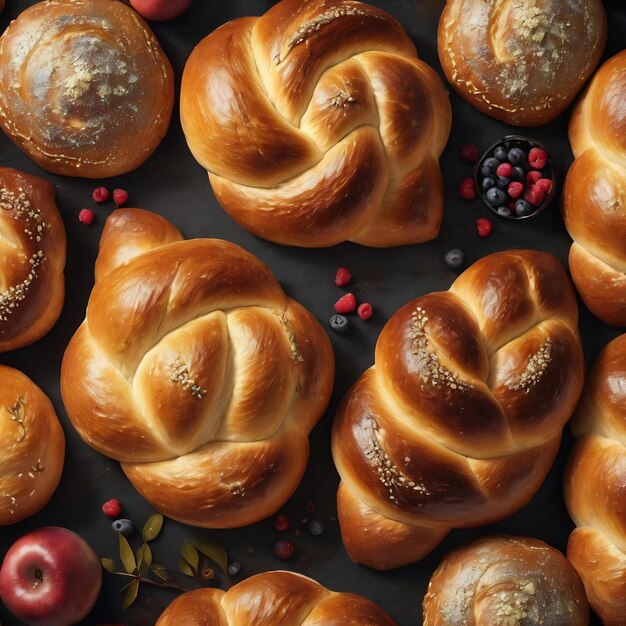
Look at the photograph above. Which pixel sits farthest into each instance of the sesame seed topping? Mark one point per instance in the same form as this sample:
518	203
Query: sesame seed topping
179	373
536	368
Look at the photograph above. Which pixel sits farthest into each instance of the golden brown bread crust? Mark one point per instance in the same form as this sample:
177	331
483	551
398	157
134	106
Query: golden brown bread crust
32	253
595	485
594	194
197	372
317	124
270	599
85	88
521	61
460	418
32	447
505	581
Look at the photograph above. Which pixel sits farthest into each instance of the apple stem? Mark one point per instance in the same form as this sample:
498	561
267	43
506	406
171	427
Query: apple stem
38	578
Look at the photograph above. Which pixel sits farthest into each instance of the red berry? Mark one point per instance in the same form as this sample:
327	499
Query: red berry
515	190
283	549
504	169
467	190
346	304
112	508
484	227
120	197
537	158
365	310
342	277
511	205
310	507
86	217
533	177
545	184
534	195
470	154
281	523
100	195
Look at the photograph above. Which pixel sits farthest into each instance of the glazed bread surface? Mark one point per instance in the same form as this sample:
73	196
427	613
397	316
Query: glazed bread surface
521	61
318	124
594	194
459	420
197	372
85	88
32	259
595	485
270	599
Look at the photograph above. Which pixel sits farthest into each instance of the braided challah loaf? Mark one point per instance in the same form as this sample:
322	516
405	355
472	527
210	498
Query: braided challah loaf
595	486
273	599
521	61
317	124
460	418
195	370
32	259
594	194
505	581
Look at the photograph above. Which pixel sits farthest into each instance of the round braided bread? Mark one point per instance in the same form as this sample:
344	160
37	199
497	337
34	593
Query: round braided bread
460	418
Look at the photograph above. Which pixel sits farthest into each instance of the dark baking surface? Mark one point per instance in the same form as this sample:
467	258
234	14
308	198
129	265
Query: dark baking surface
173	184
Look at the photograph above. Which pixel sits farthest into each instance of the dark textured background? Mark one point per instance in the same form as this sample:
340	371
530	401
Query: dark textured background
173	184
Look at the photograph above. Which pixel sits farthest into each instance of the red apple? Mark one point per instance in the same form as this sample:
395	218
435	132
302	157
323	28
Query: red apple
160	10
50	577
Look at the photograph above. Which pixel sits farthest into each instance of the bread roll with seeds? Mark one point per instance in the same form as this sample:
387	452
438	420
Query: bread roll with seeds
32	259
459	420
197	372
505	581
521	61
32	447
271	599
85	88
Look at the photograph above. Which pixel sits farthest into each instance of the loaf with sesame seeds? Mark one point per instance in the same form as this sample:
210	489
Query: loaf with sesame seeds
521	61
460	418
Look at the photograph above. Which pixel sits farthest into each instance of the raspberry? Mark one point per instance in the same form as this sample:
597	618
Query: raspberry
515	190
120	197
112	508
504	169
545	184
467	190
533	177
283	549
100	195
281	523
534	195
365	310
537	158
483	226
469	154
342	277
346	304
86	217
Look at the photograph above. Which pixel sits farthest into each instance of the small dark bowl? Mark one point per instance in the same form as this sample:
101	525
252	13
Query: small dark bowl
526	144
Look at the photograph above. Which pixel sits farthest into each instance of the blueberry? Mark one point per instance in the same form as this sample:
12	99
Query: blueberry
487	183
339	323
495	197
123	526
454	259
523	208
503	182
519	174
234	569
316	528
489	166
501	153
504	210
517	156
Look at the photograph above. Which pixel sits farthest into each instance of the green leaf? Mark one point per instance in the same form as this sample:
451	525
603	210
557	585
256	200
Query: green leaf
161	572
127	556
131	593
213	550
109	565
190	554
144	558
185	568
152	527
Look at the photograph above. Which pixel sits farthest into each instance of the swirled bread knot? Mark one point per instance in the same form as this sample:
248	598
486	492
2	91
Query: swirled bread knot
32	259
521	61
85	88
197	372
594	194
318	124
32	447
505	581
595	485
459	420
270	599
